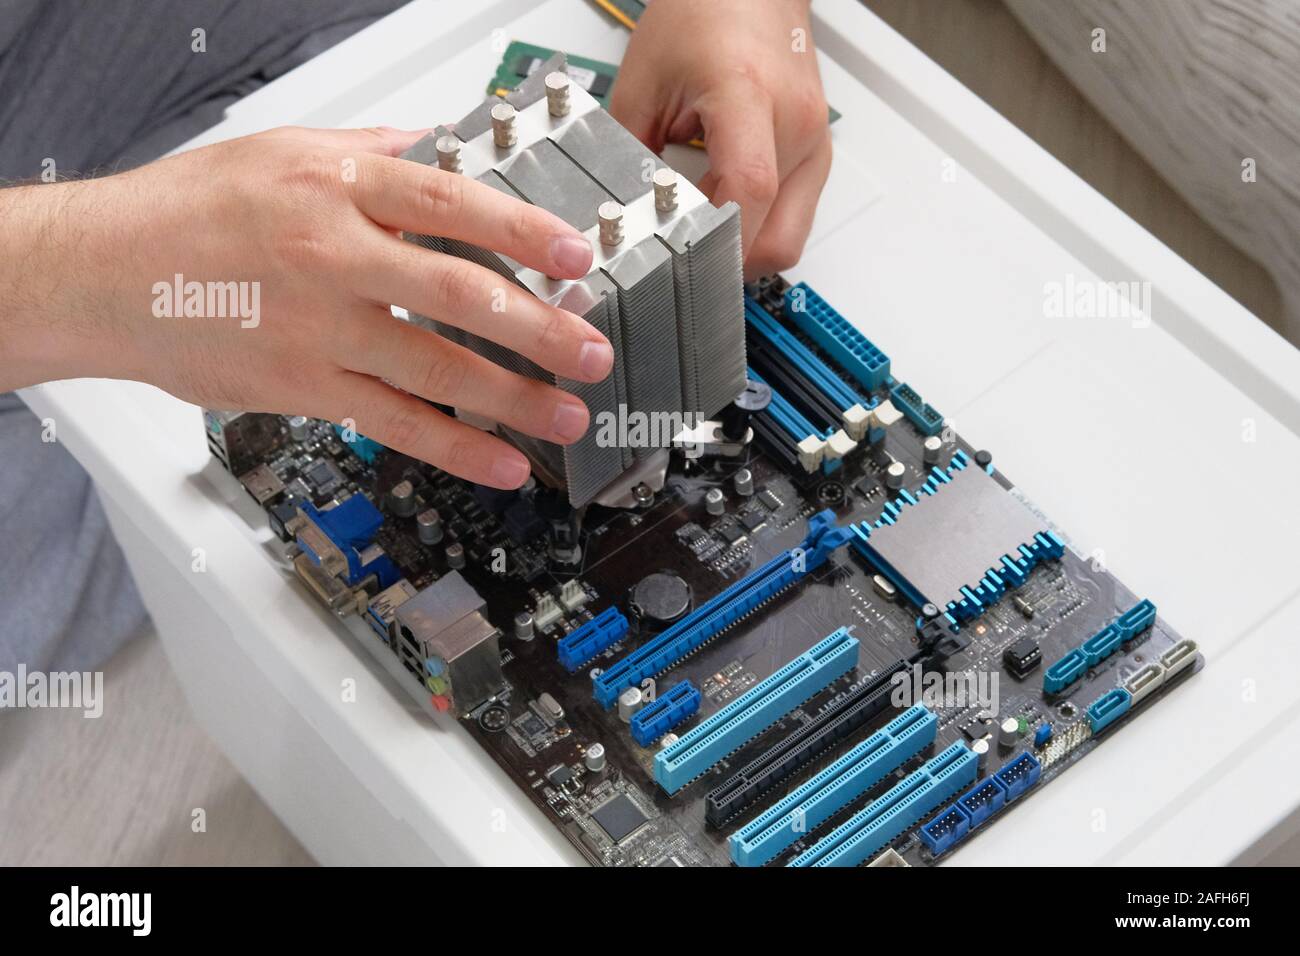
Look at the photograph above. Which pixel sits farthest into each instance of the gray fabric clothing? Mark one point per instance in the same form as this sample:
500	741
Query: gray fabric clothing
100	87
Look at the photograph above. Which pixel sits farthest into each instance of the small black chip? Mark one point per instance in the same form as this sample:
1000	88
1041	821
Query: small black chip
531	726
769	501
619	817
752	519
866	487
559	775
1022	657
323	476
730	532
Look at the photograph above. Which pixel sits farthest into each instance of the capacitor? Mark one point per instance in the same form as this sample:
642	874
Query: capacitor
524	626
299	428
930	449
428	525
714	503
743	480
1009	732
667	740
594	758
980	748
894	475
401	499
629	702
456	556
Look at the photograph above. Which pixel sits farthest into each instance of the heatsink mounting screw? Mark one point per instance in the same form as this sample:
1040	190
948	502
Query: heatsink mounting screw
504	133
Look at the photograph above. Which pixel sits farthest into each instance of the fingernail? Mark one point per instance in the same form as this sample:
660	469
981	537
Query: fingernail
509	471
596	359
570	421
571	255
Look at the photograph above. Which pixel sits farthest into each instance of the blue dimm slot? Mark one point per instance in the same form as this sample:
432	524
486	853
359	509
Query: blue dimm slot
754	711
707	621
664	713
786	415
886	819
848	778
836	389
838	336
583	643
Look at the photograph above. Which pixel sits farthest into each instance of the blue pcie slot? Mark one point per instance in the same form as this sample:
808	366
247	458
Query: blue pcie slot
980	803
927	420
889	817
838	336
583	643
817	371
710	619
848	778
754	711
1099	647
1108	708
664	713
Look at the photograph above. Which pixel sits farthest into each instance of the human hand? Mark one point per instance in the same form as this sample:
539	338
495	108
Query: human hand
305	221
739	72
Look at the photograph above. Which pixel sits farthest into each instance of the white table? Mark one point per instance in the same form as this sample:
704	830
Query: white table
1132	439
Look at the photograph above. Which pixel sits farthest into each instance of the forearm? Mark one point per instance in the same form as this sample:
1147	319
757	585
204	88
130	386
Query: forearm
61	266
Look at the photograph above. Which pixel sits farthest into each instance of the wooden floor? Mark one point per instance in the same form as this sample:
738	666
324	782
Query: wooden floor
985	47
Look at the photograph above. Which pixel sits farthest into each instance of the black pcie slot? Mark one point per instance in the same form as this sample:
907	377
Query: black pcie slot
836	721
783	376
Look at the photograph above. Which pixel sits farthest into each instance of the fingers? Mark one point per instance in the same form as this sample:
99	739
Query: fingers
410	426
425	364
475	299
420	199
781	240
380	140
741	141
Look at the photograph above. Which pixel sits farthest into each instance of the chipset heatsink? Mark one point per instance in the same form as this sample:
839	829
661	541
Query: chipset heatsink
942	548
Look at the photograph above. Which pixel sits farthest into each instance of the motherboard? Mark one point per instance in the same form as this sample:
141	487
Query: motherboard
835	634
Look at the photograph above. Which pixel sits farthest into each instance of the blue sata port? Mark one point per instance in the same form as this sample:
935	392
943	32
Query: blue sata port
1065	671
983	801
1108	708
1137	619
837	336
664	713
585	642
754	711
1102	644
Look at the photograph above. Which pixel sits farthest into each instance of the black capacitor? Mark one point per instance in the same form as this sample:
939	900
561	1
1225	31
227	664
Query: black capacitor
735	417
